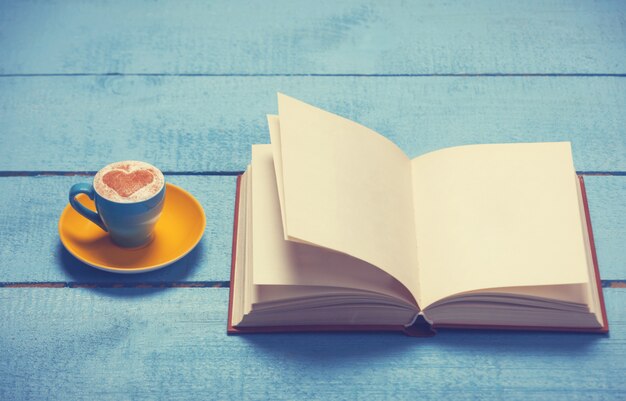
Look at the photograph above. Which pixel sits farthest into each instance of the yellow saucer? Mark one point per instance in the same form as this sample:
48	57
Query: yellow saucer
177	232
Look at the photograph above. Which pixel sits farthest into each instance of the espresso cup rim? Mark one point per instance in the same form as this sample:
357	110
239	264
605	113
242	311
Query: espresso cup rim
93	183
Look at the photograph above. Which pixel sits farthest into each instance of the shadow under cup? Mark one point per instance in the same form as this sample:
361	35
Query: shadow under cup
131	224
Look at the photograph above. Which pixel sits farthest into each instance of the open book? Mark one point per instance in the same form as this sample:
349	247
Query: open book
337	229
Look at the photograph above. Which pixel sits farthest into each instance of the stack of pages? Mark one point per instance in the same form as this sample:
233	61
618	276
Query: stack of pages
337	229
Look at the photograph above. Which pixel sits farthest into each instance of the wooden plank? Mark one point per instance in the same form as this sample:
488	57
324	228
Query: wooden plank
209	123
284	37
171	344
30	209
32	252
607	207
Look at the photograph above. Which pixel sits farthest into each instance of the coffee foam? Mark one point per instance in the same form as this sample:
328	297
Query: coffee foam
125	179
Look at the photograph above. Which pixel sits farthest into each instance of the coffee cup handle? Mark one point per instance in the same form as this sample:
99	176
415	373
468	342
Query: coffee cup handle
87	189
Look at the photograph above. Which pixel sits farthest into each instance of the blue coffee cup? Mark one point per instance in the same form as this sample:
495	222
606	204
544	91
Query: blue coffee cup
130	224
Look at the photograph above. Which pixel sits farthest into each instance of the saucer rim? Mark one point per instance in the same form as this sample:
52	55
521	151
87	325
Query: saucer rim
142	269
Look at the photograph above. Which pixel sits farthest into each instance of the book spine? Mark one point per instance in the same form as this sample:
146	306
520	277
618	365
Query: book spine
420	326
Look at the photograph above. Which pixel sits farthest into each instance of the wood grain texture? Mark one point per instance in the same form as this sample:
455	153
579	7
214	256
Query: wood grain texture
32	252
304	37
607	206
209	123
111	89
171	344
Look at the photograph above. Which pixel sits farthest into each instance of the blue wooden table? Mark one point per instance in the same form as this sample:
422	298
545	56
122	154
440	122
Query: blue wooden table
186	85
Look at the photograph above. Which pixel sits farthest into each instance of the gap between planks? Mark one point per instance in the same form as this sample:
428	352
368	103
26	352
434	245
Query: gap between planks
160	284
180	284
53	173
373	75
210	173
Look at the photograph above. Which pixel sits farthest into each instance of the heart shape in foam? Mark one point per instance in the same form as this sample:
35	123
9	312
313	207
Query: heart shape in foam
126	184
